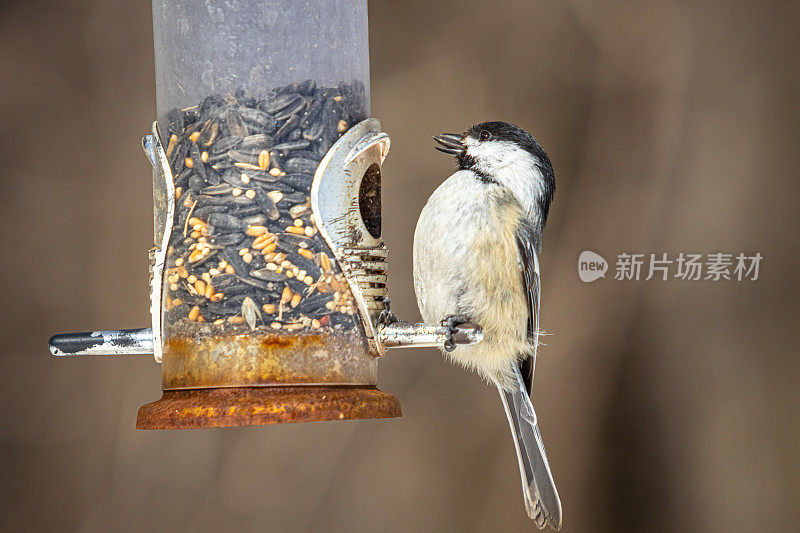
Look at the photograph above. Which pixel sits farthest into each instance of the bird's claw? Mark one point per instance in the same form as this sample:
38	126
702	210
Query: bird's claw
386	317
451	322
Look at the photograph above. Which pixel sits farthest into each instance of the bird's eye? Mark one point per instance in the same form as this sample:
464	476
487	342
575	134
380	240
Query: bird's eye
485	135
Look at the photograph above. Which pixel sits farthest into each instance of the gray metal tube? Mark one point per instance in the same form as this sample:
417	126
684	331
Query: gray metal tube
120	342
407	335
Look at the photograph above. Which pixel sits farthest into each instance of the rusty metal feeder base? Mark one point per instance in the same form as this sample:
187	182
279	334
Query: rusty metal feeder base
252	406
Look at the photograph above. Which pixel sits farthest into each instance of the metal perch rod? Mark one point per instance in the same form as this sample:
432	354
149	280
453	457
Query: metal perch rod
140	341
407	335
119	342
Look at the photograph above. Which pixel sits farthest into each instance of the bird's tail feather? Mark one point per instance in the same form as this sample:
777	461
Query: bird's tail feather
539	490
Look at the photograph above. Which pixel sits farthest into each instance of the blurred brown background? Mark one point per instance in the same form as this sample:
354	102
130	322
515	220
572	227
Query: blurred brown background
665	406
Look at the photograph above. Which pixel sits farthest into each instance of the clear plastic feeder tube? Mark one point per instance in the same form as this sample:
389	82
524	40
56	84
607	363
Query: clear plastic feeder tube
251	96
205	47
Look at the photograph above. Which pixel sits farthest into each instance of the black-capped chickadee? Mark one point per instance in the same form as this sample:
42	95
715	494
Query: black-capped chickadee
475	260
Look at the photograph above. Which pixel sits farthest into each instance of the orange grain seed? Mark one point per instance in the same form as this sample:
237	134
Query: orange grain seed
286	295
263	159
173	140
255	231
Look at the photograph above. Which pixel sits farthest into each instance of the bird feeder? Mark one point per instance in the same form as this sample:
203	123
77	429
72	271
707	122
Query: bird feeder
269	301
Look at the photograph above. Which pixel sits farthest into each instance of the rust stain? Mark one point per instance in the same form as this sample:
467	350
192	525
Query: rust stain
250	360
248	406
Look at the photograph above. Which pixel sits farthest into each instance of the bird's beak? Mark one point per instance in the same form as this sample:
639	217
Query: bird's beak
450	143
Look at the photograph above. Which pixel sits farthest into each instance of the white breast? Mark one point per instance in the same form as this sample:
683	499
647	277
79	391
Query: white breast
466	262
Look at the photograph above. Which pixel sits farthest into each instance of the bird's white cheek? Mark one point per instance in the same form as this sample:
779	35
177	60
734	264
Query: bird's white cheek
490	157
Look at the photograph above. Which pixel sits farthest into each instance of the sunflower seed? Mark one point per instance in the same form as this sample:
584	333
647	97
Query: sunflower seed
281	102
236	124
292	145
258	118
313	131
287	127
224	144
233	176
227	239
295	197
307	87
213	177
256	143
292	109
250	158
301	165
218	189
223	221
203	212
255	220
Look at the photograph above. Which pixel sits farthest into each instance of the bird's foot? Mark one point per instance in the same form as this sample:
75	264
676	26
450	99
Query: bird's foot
386	316
451	322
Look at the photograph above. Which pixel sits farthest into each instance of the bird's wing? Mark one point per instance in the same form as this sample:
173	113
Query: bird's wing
541	496
530	281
